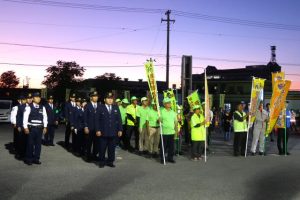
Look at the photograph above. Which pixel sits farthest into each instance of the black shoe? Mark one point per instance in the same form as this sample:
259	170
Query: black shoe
155	155
101	166
52	144
236	154
172	161
288	153
261	153
111	165
37	162
28	162
253	154
272	140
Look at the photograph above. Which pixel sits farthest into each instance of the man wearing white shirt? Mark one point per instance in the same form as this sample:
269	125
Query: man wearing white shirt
35	125
13	119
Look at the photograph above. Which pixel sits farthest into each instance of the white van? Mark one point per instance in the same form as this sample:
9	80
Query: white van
5	109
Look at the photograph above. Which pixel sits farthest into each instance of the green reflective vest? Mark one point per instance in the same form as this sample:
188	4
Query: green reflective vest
132	111
240	126
198	133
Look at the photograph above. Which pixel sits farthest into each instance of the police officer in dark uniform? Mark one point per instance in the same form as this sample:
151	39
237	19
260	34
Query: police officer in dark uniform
22	137
77	122
90	113
69	109
35	125
52	122
109	128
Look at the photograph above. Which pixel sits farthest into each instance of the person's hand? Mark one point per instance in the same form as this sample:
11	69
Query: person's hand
119	133
72	128
44	131
26	131
14	125
86	130
56	123
98	133
19	129
75	131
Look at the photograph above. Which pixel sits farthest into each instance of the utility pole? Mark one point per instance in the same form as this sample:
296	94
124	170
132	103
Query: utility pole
168	20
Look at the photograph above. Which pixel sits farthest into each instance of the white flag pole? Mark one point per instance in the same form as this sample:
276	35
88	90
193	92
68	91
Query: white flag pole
249	120
205	112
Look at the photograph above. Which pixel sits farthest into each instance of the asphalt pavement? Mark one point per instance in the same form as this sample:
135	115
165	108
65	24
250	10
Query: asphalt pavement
65	176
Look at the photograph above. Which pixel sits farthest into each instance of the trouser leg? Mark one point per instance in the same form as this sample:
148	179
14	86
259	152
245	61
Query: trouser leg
38	144
67	135
29	149
262	141
256	133
136	138
243	142
102	149
111	145
279	140
141	139
285	140
151	139
157	137
236	143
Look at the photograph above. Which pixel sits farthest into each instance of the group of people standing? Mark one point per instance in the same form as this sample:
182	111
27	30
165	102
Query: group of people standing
258	123
96	129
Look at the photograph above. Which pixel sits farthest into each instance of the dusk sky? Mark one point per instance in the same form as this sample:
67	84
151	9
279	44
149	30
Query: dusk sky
144	33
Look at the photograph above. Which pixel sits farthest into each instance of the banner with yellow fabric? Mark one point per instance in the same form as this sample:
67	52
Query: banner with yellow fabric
256	96
193	99
280	91
170	94
277	76
151	81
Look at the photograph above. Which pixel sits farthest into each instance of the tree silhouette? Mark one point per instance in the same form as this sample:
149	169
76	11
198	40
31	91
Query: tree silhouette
108	76
61	76
9	80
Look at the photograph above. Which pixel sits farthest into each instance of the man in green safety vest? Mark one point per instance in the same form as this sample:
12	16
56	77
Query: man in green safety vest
169	129
142	114
198	133
240	130
132	124
122	108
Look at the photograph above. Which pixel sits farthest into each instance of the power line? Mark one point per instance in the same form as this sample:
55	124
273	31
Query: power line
237	21
88	6
140	54
69	25
178	13
233	35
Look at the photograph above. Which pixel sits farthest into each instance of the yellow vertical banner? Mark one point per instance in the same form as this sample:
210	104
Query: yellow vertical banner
193	99
151	81
256	96
277	76
170	94
207	101
280	91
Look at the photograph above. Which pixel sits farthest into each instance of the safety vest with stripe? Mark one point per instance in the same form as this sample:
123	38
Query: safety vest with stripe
240	126
198	133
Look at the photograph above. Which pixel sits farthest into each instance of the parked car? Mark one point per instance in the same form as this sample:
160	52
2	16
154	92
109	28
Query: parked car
5	109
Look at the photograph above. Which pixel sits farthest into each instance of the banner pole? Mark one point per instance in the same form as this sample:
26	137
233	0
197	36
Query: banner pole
205	112
285	149
249	121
